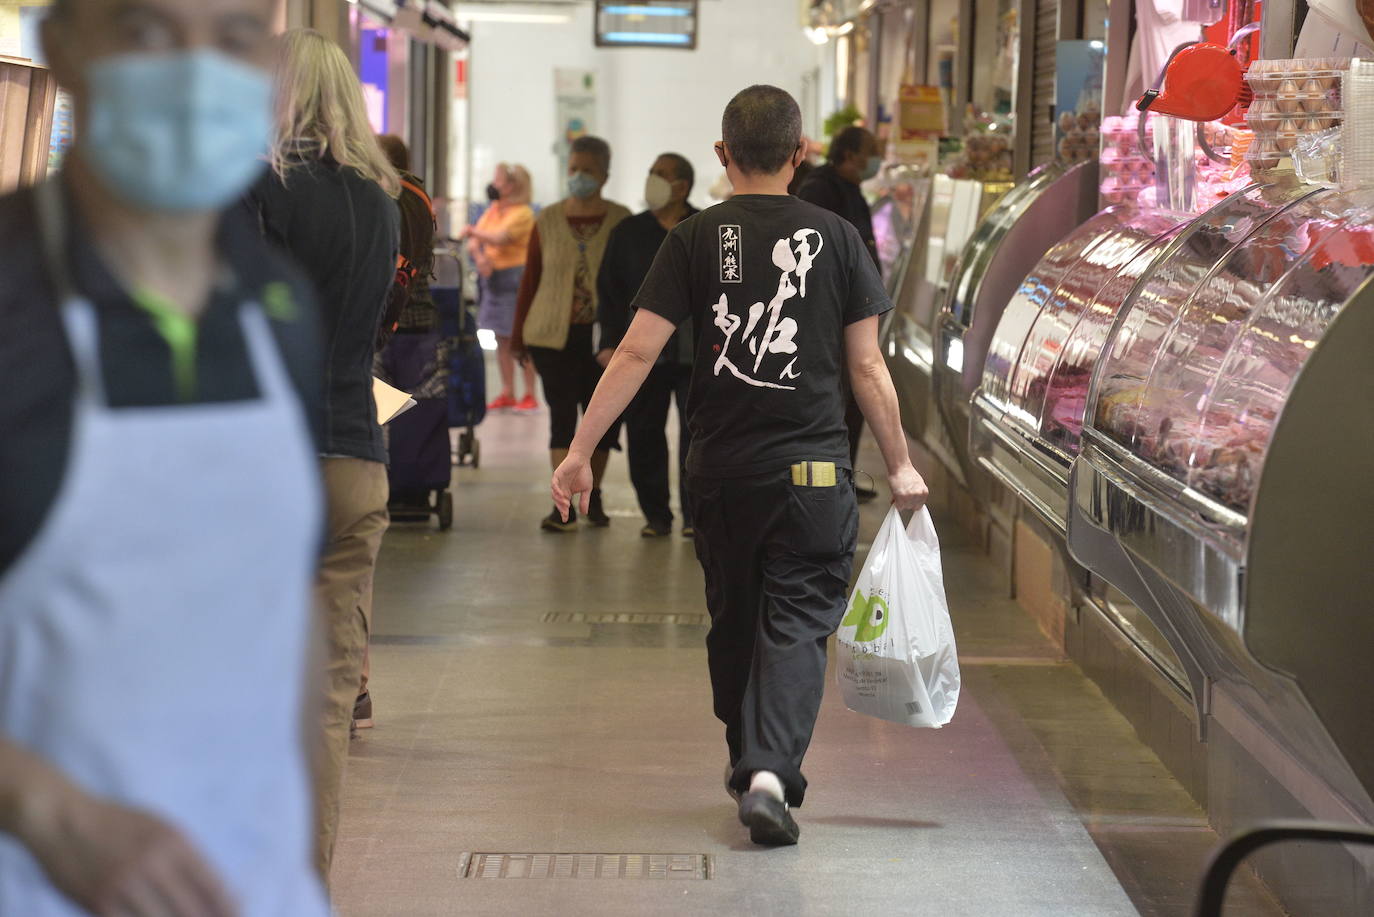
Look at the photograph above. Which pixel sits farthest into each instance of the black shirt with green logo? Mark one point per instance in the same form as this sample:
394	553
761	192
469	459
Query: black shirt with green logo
145	358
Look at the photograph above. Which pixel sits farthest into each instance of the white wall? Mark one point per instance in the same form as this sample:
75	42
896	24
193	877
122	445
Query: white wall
649	101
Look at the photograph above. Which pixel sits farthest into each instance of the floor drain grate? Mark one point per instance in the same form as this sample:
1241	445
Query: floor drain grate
579	617
586	866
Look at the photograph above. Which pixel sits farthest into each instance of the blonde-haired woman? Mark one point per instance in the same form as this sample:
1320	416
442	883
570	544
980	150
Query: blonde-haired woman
329	201
498	243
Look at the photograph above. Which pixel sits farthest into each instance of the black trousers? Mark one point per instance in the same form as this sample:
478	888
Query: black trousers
570	377
777	559
647	439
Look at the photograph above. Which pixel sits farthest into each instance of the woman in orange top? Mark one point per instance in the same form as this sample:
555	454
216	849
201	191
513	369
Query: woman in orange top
498	244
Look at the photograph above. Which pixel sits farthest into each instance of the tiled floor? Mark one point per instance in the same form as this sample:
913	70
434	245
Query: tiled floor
497	732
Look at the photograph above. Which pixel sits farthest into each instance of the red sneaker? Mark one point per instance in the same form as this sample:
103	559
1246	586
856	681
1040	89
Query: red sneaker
527	405
503	403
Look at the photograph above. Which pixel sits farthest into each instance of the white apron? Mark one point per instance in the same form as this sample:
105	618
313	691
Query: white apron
154	635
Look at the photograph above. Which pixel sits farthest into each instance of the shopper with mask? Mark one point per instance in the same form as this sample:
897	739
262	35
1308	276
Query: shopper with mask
160	522
852	160
555	314
629	254
330	201
498	244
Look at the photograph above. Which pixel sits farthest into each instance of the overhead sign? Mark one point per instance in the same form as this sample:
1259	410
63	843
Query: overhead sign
646	24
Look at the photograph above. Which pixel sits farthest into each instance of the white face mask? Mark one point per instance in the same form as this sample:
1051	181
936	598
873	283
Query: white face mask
658	191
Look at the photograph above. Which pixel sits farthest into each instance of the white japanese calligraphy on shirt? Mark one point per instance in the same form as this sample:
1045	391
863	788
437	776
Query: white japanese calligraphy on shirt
767	332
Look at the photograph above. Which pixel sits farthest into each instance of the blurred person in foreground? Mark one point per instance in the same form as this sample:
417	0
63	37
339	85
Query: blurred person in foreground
555	316
499	242
786	301
160	523
330	201
629	254
853	158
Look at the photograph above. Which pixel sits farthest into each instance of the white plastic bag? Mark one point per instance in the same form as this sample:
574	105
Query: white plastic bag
897	659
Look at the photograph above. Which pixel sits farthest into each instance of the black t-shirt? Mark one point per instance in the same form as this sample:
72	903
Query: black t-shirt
771	282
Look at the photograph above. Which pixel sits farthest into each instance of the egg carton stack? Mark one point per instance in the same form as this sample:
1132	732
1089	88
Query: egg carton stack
1293	98
1126	168
1078	135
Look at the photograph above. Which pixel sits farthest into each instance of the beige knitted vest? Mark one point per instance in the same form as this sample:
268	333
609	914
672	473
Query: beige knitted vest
551	311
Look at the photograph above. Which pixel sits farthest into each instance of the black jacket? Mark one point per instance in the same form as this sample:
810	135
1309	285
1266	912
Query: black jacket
825	187
344	230
629	254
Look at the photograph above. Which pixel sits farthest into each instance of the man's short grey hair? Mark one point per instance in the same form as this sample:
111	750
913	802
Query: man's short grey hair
762	128
594	146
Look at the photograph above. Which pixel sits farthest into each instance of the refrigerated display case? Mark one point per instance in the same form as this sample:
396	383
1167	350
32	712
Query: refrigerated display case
1245	337
1006	246
1028	412
947	220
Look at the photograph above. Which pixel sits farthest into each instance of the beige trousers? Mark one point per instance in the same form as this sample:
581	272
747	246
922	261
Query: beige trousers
356	493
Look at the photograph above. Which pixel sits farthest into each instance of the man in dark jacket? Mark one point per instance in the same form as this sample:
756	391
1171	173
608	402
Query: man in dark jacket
852	160
629	254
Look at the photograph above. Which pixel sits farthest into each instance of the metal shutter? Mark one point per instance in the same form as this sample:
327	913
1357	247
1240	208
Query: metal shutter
1042	92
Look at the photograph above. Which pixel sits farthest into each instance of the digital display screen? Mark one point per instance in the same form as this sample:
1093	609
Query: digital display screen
646	23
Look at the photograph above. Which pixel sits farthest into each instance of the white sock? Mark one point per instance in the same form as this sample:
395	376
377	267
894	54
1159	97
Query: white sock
767	782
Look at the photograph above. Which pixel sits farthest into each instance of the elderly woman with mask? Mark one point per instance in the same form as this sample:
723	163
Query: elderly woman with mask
555	313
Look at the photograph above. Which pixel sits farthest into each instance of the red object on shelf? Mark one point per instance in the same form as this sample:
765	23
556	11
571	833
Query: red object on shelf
1201	83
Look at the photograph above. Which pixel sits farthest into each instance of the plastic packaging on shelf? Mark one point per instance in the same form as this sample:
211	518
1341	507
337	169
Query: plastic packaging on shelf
1357	146
1317	157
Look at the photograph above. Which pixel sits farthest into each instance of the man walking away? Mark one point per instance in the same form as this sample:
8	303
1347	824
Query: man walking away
786	301
629	254
852	160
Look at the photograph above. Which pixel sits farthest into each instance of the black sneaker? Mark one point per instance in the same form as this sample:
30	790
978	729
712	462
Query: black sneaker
730	772
553	522
689	531
656	529
596	515
768	821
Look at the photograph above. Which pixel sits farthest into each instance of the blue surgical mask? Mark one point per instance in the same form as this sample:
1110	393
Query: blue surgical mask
872	166
182	131
582	186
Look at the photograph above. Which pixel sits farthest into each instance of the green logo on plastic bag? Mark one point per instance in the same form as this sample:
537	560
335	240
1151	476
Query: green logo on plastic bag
868	615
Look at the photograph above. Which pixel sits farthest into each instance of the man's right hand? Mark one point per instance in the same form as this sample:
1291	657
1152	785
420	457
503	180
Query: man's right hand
113	860
909	491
